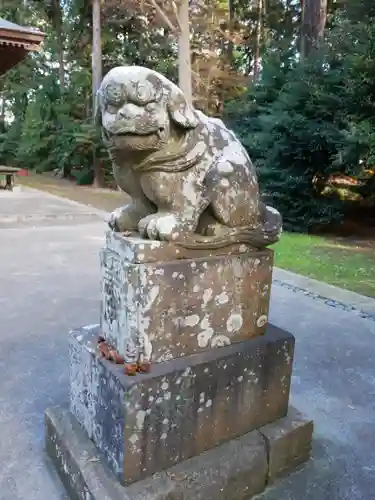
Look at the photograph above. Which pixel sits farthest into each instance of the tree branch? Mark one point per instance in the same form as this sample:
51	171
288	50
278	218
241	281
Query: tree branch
164	16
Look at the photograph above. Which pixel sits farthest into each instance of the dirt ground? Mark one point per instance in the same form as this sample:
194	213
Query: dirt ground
104	199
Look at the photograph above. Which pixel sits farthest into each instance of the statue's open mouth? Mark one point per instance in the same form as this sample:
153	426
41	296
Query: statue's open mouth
143	133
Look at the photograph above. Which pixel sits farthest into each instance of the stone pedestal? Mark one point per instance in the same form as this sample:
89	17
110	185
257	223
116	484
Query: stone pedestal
235	470
166	302
210	420
147	423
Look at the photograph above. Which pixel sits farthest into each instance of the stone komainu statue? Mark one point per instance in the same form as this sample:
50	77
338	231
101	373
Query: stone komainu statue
190	179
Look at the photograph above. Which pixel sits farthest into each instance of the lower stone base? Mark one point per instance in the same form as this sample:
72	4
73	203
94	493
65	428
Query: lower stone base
150	422
235	470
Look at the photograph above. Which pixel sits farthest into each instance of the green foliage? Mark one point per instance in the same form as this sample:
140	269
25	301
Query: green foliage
84	177
52	125
52	134
292	134
303	123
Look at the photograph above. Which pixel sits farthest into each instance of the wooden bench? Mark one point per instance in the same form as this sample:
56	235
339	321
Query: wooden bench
9	173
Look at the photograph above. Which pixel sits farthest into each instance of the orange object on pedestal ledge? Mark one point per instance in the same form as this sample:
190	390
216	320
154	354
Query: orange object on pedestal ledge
131	369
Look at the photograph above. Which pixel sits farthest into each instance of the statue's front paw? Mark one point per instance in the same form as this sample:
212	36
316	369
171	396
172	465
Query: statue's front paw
113	220
160	227
126	218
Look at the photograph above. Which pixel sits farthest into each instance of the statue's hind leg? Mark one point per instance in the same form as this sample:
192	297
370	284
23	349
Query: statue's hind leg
233	193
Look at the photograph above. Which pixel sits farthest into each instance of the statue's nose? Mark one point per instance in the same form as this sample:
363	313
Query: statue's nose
129	111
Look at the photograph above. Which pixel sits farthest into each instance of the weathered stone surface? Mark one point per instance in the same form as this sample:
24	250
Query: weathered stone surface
190	179
146	423
288	442
137	250
174	308
235	470
83	367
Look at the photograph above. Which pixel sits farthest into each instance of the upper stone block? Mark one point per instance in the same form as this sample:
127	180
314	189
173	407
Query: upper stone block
162	299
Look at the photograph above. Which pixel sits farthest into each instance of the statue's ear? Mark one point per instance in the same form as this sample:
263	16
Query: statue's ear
180	111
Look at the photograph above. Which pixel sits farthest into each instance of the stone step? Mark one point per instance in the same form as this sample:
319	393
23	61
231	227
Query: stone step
235	470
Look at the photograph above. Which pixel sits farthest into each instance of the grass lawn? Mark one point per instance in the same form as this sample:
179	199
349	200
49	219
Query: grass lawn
335	261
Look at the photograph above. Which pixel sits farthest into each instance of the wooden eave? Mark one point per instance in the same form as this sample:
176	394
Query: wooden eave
15	43
27	40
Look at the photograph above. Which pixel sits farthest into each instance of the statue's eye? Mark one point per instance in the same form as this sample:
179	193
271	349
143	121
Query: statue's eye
114	95
144	93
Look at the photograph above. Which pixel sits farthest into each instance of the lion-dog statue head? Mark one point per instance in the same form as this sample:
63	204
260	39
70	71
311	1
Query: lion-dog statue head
141	111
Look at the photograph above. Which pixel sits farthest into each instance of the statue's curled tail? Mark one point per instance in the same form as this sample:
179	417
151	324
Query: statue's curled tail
266	233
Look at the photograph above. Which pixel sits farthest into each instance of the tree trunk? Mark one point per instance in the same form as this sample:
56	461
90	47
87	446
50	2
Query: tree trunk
314	17
99	180
184	57
96	51
2	113
96	80
58	25
231	13
258	41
